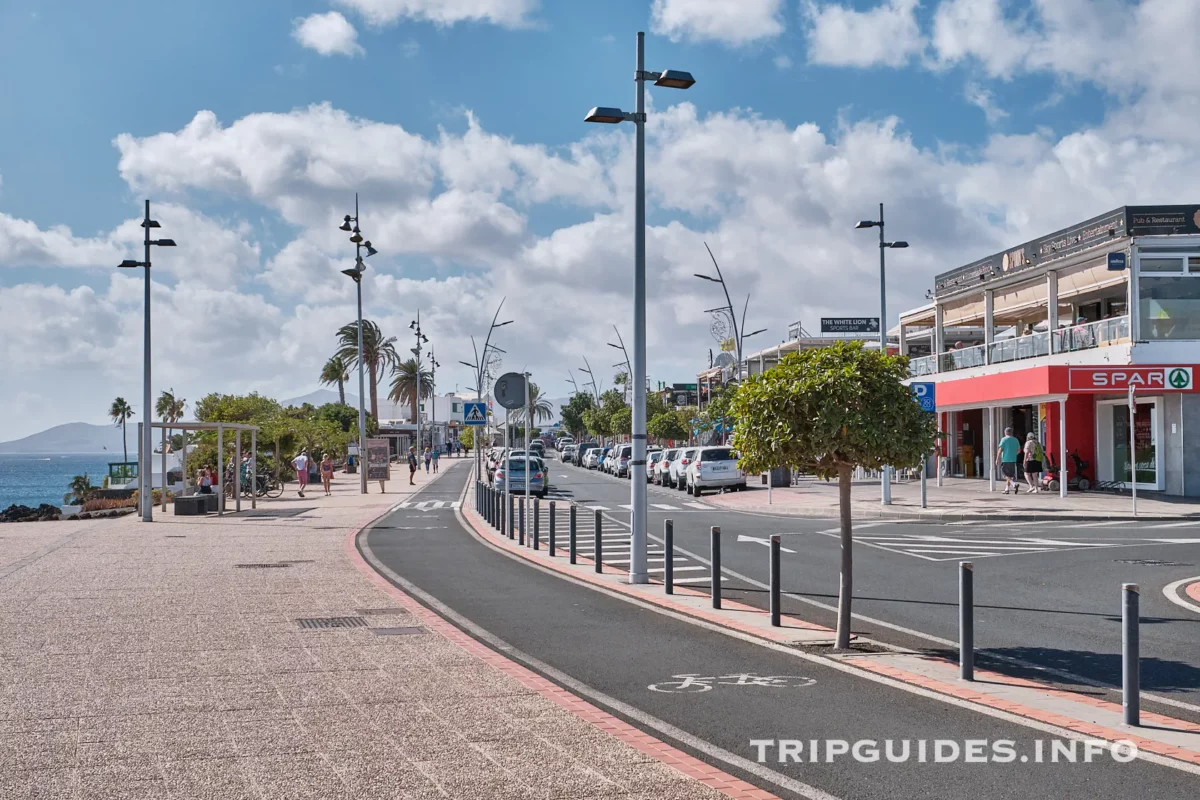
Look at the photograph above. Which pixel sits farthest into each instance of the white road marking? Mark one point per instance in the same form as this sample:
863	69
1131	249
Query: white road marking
1171	591
662	560
697	580
761	540
597	508
1190	523
665	507
700	505
677	569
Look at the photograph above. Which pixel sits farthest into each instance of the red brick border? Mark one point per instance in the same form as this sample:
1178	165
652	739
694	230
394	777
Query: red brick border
662	752
965	692
1192	590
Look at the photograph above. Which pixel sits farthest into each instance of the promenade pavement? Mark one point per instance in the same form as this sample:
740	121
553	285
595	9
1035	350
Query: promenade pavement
958	499
166	660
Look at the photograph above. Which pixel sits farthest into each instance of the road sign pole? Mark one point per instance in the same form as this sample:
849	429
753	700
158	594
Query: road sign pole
1133	445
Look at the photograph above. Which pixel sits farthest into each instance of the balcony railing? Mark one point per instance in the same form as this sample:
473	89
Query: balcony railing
1102	333
1094	334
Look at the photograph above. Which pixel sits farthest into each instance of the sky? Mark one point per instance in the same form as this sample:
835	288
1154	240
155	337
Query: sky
250	126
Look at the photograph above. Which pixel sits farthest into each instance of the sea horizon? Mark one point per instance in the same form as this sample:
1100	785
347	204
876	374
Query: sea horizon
31	479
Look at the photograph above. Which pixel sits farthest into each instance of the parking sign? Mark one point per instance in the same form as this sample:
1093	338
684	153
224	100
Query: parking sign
926	396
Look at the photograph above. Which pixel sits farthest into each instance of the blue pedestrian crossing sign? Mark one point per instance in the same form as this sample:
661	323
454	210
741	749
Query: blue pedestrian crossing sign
474	413
925	395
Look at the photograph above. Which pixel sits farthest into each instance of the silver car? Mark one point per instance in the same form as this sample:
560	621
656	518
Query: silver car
714	468
677	474
662	466
513	475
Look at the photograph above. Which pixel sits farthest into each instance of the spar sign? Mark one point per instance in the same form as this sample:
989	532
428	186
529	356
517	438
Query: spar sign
1121	379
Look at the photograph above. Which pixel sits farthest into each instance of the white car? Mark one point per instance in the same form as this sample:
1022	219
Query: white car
564	443
591	460
619	460
663	466
677	471
567	452
652	459
713	468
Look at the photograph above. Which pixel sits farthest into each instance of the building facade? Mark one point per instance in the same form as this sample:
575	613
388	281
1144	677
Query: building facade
1056	336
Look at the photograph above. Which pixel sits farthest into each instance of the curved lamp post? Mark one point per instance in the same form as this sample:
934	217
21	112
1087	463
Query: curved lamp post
355	273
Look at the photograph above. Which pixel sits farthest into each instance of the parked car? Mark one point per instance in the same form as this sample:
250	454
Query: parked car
567	453
714	468
513	474
652	459
621	457
582	450
677	474
538	447
563	442
662	466
595	457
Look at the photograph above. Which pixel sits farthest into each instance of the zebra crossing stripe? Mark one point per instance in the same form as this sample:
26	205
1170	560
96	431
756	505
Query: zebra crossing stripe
677	569
697	580
697	505
598	508
665	507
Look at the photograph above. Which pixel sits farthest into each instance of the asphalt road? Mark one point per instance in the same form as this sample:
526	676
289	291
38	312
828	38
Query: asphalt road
619	649
1046	593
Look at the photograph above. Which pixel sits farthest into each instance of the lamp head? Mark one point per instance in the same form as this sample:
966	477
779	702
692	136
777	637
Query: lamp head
866	223
897	245
164	242
675	79
129	263
355	274
370	250
345	226
356	237
608	116
149	223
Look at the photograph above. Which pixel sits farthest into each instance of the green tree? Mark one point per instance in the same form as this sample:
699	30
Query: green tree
404	385
466	436
828	411
572	413
250	408
169	408
668	425
120	412
379	353
542	410
80	490
337	371
599	420
622	421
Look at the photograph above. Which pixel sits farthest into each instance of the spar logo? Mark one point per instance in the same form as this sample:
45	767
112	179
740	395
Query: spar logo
1120	379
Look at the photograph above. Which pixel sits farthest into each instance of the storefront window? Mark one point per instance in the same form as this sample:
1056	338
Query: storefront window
1169	306
1144	426
1161	264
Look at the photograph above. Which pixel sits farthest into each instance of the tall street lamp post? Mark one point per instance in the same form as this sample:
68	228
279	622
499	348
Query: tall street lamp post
595	387
355	273
739	336
628	367
481	366
884	246
433	365
421	340
145	459
637	466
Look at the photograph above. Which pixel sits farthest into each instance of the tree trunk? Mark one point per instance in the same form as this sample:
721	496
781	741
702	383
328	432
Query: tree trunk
341	391
846	587
374	400
413	406
125	450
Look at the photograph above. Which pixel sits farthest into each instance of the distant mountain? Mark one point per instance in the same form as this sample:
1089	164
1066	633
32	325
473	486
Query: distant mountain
320	397
75	437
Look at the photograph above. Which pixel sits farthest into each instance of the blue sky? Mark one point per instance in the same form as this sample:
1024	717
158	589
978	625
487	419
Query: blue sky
980	122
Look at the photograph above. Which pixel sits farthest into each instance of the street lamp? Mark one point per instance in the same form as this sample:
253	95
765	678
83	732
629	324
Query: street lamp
481	368
145	465
671	79
626	364
595	388
884	246
355	273
422	339
738	337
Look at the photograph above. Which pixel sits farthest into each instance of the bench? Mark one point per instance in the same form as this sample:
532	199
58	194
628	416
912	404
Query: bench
194	506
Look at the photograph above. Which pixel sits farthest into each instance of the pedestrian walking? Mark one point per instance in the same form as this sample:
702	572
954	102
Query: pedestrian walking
300	462
412	465
1006	460
327	473
1034	457
428	458
435	461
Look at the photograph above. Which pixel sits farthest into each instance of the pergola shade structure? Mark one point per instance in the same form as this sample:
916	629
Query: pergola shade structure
220	427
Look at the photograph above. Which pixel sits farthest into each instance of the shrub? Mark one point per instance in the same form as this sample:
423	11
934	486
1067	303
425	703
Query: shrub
106	503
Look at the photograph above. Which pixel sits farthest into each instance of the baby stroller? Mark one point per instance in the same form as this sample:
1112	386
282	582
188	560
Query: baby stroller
1078	481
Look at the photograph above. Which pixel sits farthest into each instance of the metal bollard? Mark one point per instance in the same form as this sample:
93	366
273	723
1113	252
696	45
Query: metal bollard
669	561
598	551
521	522
1131	701
552	528
571	534
966	620
715	554
537	521
924	489
774	569
512	516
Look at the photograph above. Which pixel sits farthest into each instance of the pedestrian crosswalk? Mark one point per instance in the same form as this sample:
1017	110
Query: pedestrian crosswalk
656	506
962	546
429	505
616	552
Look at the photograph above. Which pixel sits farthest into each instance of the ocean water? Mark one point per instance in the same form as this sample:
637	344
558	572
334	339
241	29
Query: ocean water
44	478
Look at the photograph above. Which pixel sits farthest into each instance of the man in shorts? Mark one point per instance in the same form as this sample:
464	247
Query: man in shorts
300	462
412	465
1006	459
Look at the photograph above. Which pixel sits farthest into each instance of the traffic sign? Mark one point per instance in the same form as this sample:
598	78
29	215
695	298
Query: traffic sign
926	396
510	390
475	413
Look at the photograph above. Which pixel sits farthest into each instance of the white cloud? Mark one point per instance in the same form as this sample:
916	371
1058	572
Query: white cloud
983	99
328	34
782	61
506	13
886	35
732	22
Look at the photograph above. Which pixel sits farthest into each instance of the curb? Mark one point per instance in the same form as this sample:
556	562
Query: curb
601	720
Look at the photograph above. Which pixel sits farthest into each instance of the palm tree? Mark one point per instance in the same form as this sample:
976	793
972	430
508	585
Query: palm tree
169	408
378	353
119	412
81	489
404	384
337	371
542	410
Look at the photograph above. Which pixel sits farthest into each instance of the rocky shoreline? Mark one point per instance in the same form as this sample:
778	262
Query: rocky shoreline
48	513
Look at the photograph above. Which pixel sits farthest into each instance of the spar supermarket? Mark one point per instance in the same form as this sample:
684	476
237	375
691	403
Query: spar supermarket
1050	337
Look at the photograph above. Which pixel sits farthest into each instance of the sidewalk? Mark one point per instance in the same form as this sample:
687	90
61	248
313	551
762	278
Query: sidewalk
169	660
958	500
1076	711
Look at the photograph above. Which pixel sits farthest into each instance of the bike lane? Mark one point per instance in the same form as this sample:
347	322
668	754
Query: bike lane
723	690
